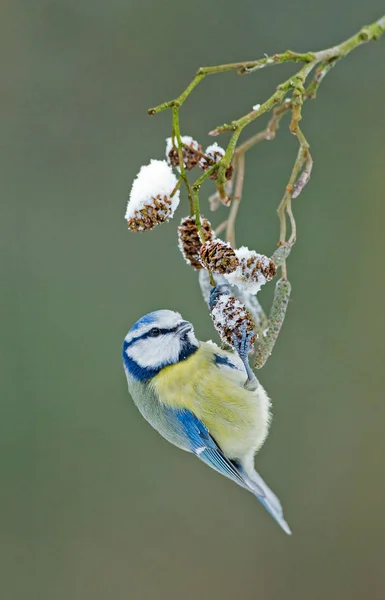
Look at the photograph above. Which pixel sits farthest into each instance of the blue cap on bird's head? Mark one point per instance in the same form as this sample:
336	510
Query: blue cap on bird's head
156	340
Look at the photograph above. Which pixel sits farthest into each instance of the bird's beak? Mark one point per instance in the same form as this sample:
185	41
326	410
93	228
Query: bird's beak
184	327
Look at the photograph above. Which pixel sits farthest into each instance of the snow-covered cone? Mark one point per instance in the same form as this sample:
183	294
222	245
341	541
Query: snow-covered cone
249	300
253	270
230	316
189	241
213	154
218	256
150	200
191	155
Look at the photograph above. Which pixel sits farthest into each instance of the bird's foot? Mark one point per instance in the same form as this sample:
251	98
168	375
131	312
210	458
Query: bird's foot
216	291
243	346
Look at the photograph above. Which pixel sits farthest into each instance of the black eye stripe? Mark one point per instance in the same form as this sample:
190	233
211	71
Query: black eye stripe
148	334
161	331
154	332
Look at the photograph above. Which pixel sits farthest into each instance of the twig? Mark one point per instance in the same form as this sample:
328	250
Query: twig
324	60
176	134
305	176
270	131
221	227
284	207
366	34
230	231
320	73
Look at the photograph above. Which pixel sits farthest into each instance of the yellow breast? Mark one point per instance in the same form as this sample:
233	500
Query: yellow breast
233	415
177	385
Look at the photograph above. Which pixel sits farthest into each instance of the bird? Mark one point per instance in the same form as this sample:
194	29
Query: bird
196	395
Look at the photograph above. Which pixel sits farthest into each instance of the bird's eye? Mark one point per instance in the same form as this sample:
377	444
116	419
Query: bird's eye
154	332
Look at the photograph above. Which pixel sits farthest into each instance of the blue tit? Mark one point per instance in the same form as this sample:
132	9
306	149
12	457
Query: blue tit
193	393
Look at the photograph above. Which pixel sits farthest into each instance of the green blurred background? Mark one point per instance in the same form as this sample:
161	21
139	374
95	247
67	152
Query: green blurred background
93	503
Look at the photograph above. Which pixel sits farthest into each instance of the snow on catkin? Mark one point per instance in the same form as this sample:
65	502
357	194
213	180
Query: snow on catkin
253	271
150	200
213	154
191	155
230	316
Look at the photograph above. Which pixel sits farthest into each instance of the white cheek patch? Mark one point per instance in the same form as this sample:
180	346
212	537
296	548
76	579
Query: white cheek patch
155	352
192	339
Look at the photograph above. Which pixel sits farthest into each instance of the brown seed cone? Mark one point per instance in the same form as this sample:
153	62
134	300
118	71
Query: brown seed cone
213	154
218	257
189	241
269	271
191	156
151	215
229	316
252	266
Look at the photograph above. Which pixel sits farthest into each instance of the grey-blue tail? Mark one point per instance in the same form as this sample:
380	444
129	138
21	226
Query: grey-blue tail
266	497
203	445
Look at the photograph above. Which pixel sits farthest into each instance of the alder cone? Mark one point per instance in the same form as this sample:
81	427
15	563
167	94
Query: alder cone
189	240
191	155
191	152
219	257
152	214
251	267
230	316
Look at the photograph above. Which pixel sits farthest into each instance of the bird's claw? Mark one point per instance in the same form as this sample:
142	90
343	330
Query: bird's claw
217	291
243	347
243	344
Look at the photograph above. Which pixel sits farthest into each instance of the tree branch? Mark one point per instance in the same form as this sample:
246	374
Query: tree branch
322	61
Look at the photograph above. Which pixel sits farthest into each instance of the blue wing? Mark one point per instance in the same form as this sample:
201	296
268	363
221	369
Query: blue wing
203	445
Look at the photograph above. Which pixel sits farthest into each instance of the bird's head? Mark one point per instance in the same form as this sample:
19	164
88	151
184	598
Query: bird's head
158	339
